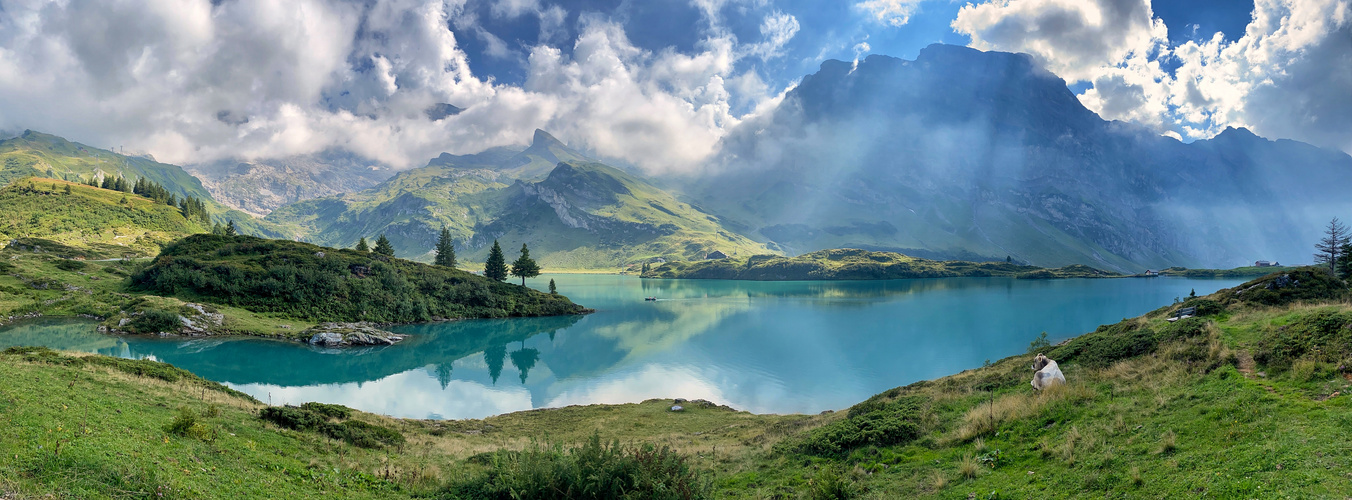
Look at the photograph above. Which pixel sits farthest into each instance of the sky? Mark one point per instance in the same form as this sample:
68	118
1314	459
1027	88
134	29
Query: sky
651	83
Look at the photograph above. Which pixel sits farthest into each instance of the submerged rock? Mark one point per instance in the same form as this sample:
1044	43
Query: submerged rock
349	334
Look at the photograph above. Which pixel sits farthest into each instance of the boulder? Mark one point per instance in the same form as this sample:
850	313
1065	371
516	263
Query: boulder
327	339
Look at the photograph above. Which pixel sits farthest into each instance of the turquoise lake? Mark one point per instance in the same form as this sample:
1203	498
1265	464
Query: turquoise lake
765	347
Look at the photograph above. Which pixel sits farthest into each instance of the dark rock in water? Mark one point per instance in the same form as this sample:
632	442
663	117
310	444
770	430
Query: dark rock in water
348	335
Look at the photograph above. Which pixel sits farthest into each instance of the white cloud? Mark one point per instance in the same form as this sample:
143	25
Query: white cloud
890	12
1288	76
302	76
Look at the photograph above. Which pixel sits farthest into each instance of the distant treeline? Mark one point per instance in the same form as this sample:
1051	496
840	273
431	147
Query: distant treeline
323	284
192	208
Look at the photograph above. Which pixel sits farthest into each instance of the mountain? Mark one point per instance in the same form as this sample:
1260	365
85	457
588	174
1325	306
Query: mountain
87	221
575	214
982	155
259	187
43	155
534	162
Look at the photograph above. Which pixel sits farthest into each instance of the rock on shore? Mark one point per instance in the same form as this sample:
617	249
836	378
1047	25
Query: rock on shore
348	335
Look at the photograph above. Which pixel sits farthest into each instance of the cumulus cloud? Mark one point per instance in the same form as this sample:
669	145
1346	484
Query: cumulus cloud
1288	76
195	80
890	12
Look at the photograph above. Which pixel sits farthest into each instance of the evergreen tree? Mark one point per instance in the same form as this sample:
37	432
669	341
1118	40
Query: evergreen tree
383	247
1009	259
361	246
108	183
1333	245
230	228
495	268
525	267
445	249
93	181
67	188
218	229
1345	263
553	290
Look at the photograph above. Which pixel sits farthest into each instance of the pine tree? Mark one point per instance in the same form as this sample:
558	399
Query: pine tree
445	249
1333	245
495	268
525	267
218	229
383	247
1345	262
361	246
230	228
108	183
67	188
553	290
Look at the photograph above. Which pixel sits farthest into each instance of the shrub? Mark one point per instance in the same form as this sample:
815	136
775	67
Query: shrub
70	265
1108	344
869	423
594	470
154	321
328	410
187	425
1320	335
315	417
830	484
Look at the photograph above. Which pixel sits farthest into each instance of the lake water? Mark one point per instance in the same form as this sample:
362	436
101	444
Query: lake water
766	347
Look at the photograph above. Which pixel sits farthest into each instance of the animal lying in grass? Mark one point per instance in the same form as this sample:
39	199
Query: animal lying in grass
1047	373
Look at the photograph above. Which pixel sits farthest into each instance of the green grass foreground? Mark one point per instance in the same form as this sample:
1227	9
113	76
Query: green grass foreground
855	264
1247	401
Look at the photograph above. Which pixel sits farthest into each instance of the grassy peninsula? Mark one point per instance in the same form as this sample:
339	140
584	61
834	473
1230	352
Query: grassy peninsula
855	264
291	286
1246	400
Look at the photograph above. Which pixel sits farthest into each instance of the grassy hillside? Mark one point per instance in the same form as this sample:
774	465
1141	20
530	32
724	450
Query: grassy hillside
1248	400
314	283
88	222
581	216
854	264
34	154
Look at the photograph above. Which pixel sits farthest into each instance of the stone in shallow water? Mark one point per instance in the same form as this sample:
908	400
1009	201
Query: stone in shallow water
329	339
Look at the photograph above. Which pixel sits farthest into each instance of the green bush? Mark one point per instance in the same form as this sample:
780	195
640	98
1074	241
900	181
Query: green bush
1324	336
70	265
328	410
869	423
315	417
154	321
187	425
594	470
1108	344
830	484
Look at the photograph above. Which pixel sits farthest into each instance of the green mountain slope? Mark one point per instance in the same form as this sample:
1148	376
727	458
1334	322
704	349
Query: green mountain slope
43	155
88	221
582	215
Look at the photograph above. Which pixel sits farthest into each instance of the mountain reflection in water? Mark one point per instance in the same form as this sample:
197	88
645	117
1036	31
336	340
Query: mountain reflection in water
760	346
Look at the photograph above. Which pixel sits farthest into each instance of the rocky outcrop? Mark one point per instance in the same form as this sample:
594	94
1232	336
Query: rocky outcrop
349	335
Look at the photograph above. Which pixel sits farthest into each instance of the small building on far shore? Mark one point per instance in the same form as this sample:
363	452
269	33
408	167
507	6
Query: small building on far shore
716	255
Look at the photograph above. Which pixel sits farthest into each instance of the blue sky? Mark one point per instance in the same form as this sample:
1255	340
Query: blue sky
653	83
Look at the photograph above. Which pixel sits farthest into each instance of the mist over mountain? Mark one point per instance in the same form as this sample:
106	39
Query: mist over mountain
969	154
260	186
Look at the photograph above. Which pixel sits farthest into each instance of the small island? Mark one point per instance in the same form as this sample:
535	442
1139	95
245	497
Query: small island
856	264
